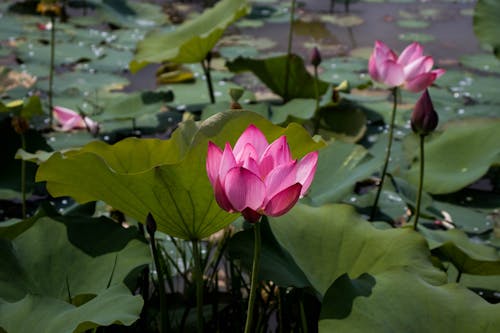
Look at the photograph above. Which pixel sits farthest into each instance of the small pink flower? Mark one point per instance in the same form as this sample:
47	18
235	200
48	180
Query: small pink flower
257	178
411	70
69	120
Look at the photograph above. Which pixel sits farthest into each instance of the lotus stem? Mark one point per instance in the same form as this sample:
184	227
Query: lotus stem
317	118
205	64
161	286
51	68
303	318
289	52
420	183
388	152
254	277
23	178
198	275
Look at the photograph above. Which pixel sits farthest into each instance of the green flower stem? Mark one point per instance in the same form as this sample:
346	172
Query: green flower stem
23	177
289	51
199	285
420	183
161	287
206	71
254	277
388	152
51	69
303	318
316	117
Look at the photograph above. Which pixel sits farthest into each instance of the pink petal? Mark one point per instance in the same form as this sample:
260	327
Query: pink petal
221	197
418	66
253	136
64	115
306	168
420	82
384	51
72	123
410	53
283	201
252	165
227	162
439	72
247	152
372	68
244	189
392	73
214	157
277	153
280	178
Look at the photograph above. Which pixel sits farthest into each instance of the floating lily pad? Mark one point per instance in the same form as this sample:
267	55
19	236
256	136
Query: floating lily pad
416	37
484	62
348	20
413	24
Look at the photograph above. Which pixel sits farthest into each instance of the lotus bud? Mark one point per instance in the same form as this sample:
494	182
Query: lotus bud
235	94
424	118
315	57
150	225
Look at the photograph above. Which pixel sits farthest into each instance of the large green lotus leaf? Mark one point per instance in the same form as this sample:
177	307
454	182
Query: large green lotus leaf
468	257
399	301
299	108
61	262
486	15
271	71
333	239
83	254
340	166
459	156
164	177
482	62
114	305
276	264
191	41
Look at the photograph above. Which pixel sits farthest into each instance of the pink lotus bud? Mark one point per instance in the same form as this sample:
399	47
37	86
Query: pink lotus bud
424	118
257	178
315	57
69	120
411	70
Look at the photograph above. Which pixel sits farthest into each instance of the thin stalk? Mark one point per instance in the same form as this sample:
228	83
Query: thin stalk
280	311
198	275
23	177
254	277
459	276
161	288
316	95
303	318
206	71
388	153
289	51
420	183
51	69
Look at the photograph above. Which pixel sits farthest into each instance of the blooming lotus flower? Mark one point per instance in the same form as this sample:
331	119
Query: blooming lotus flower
411	70
257	178
424	119
69	119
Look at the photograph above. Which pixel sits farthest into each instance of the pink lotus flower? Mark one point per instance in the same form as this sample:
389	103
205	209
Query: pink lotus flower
69	119
411	70
257	178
